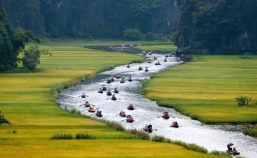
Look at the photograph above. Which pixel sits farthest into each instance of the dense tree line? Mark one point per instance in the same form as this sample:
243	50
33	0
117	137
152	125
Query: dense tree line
12	42
217	26
91	18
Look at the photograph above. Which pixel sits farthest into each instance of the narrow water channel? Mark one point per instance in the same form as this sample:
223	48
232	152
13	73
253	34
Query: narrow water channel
148	112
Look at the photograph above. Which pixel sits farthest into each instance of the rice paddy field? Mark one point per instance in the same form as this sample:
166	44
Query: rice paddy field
25	102
206	89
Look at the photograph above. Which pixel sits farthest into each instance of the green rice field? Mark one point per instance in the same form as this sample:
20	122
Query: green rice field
206	89
25	102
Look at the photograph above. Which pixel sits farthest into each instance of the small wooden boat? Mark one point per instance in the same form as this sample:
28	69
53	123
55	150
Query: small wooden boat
122	114
231	150
116	90
83	95
104	88
108	81
148	129
174	124
129	119
86	105
165	115
113	97
130	107
109	93
100	91
122	80
91	109
99	113
130	79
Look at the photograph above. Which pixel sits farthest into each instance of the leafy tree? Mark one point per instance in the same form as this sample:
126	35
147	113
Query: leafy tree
31	57
217	26
12	42
132	34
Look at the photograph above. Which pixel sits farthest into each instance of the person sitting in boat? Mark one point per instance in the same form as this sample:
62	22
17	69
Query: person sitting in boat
109	81
113	97
130	78
154	58
144	52
158	63
109	93
122	113
130	118
100	90
140	68
83	95
122	80
104	88
149	60
91	109
146	69
165	60
128	66
229	148
112	79
116	90
98	112
87	104
118	76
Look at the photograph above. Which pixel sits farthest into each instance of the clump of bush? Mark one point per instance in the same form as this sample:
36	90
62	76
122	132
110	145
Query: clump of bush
85	136
242	100
133	35
3	119
251	132
140	134
62	136
75	111
220	153
116	126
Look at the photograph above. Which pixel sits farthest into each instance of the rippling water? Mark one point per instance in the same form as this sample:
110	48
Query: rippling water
146	111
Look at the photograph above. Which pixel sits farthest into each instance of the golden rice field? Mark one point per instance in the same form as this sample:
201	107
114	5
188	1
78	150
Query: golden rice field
24	101
206	89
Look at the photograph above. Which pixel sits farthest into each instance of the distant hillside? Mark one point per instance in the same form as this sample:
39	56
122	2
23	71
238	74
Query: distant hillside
217	26
91	18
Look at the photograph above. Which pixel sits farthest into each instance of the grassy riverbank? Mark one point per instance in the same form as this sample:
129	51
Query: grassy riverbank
206	89
24	101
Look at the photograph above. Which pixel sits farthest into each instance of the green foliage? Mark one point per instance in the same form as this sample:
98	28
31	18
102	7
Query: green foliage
251	132
140	134
242	100
62	136
11	43
216	27
132	35
220	153
31	57
116	126
85	136
75	111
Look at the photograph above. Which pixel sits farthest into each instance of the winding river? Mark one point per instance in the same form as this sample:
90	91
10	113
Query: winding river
146	111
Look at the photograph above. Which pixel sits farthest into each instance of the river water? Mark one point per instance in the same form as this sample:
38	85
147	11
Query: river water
148	112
